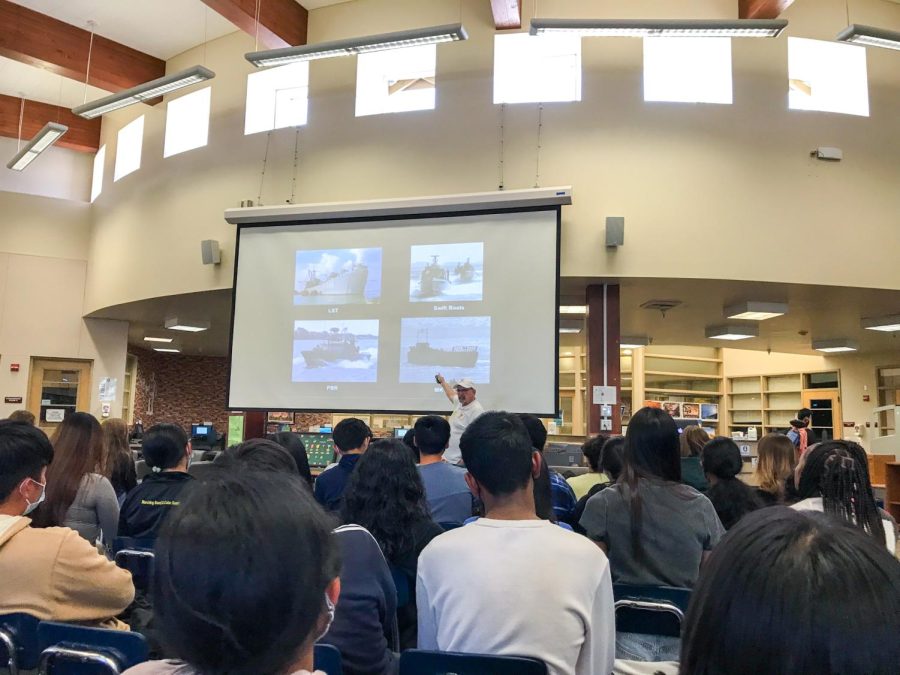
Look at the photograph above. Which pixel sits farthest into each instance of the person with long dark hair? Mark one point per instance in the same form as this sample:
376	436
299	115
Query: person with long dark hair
795	594
832	481
79	496
385	495
294	445
730	496
265	531
120	468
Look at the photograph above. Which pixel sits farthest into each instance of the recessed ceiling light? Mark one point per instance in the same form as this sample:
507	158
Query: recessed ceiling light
886	324
168	350
155	338
752	310
835	346
187	326
634	341
571	325
627	352
573	309
732	331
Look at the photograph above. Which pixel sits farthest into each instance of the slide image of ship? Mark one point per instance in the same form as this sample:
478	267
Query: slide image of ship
338	277
458	347
335	351
446	272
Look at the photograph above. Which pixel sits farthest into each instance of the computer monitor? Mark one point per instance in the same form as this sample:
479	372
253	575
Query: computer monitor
400	432
319	449
203	431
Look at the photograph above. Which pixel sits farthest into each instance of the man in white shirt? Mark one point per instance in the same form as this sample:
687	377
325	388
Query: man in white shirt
496	586
465	409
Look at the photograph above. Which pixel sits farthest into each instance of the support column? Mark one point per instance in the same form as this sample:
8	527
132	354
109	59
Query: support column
603	339
254	425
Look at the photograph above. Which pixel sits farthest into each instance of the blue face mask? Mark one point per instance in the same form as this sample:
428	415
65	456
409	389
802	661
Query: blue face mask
33	505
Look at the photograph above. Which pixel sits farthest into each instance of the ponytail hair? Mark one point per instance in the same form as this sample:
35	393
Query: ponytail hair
730	496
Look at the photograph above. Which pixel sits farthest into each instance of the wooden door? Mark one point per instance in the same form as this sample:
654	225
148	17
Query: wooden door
827	421
56	388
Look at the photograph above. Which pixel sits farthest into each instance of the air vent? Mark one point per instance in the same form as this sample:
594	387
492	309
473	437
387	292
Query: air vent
661	305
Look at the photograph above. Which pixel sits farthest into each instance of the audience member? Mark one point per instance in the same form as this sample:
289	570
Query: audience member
409	438
167	452
446	491
119	461
246	578
385	495
295	446
477	587
560	491
693	439
832	481
51	573
794	594
611	463
731	497
777	458
351	437
543	494
78	494
25	416
800	433
466	409
861	456
582	484
259	454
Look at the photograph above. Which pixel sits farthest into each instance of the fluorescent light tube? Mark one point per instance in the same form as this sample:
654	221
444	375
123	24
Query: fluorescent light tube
764	28
573	309
154	338
751	310
43	139
885	324
835	346
869	36
571	325
359	45
144	92
167	350
732	332
187	326
634	341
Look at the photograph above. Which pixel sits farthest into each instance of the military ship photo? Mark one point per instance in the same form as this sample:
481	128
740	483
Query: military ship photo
338	277
335	351
453	272
458	346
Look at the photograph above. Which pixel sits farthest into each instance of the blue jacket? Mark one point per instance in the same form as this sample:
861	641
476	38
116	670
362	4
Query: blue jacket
330	484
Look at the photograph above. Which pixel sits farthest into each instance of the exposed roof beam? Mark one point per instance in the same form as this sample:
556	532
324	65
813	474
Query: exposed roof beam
282	23
45	42
507	13
762	9
83	135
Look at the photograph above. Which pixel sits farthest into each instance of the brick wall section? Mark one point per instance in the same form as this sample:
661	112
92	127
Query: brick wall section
188	389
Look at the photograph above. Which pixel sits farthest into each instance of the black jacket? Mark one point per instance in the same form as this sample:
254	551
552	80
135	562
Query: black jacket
147	506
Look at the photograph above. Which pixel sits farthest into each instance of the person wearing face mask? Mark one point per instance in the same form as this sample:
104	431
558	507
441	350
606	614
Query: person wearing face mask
465	410
51	573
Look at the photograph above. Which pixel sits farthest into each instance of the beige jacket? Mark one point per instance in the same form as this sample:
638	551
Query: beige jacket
56	575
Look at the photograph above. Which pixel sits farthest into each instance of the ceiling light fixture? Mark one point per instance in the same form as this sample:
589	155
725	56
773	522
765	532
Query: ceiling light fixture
360	45
155	338
144	92
187	326
573	309
634	341
885	324
732	331
835	346
759	28
43	139
571	325
168	349
869	36
751	310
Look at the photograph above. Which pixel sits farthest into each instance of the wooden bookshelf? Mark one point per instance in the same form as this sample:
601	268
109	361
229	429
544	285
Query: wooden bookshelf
892	489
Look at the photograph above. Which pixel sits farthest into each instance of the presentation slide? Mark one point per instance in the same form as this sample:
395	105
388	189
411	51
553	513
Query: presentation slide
362	316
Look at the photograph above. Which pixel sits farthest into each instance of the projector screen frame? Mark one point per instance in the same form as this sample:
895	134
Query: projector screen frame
474	210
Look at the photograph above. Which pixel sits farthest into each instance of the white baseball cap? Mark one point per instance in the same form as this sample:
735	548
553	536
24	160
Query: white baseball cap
464	383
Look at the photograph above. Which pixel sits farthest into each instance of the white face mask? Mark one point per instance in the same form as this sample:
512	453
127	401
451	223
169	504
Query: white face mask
33	505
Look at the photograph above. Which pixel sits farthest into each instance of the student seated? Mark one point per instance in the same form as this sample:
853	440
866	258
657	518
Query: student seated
167	452
610	463
775	464
562	495
795	594
259	454
731	497
582	484
497	586
446	491
693	439
246	578
351	437
51	573
120	469
295	446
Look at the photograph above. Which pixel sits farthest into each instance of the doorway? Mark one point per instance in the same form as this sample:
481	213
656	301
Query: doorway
57	388
827	421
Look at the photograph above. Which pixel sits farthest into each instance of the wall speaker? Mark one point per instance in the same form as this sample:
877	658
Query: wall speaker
209	250
615	231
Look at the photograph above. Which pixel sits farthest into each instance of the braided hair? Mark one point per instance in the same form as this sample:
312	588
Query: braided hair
833	473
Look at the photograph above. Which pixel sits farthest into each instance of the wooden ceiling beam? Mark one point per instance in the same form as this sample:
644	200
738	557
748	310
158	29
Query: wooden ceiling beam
762	9
83	135
45	42
282	23
507	13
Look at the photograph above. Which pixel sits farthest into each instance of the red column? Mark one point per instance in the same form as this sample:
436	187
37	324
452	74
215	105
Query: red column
603	338
254	425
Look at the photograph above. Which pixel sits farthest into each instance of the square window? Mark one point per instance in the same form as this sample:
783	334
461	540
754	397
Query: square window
537	69
187	122
396	80
687	70
97	178
277	98
128	148
828	77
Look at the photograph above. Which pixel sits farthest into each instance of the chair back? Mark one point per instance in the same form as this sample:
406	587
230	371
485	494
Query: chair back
327	658
401	582
77	650
139	563
650	610
421	662
19	648
141	469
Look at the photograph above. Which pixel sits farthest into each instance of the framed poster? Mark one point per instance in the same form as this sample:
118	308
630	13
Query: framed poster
690	411
673	408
